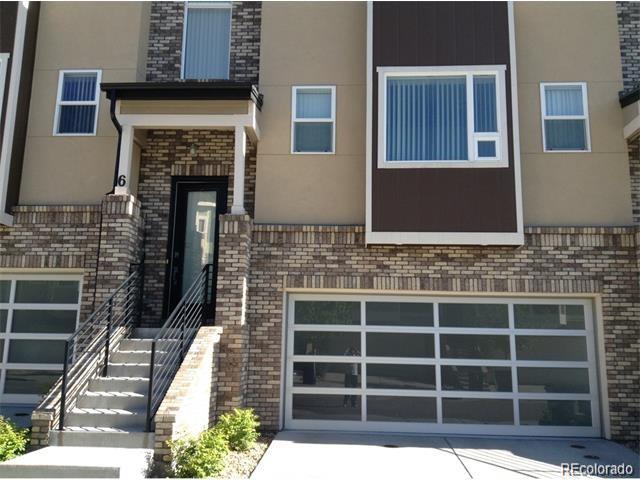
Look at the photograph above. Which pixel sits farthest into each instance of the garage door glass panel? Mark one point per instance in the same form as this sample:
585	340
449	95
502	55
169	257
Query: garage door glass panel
326	407
470	315
406	345
46	291
36	351
551	348
400	314
477	410
327	343
553	380
30	382
476	379
44	321
564	317
488	347
405	377
330	375
3	321
401	409
327	313
5	290
576	413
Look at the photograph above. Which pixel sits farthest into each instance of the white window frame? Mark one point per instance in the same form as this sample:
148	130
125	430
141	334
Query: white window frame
585	116
294	119
4	60
589	332
204	4
7	335
501	137
60	103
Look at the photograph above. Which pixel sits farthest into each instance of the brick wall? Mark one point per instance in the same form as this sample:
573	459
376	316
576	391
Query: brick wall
168	153
166	27
629	32
598	261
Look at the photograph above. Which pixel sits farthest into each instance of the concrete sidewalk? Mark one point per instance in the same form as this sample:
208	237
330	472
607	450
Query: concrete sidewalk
336	456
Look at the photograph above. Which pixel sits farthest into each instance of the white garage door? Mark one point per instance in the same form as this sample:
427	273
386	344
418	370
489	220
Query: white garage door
441	365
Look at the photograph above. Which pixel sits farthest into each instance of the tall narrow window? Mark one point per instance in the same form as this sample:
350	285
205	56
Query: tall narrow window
565	117
442	116
4	60
77	104
206	40
313	118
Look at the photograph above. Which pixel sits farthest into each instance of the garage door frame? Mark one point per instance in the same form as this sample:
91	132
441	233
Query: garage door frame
534	430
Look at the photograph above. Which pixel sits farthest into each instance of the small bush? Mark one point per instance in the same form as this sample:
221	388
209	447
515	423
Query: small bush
200	457
240	428
13	440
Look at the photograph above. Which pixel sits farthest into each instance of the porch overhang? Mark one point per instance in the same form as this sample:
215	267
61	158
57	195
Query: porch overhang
225	105
630	103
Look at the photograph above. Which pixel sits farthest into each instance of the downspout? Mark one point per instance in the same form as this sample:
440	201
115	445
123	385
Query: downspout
114	119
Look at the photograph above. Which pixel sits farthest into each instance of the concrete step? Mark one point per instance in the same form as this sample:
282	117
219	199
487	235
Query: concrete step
145	332
131	356
136	344
106	417
119	384
124	400
80	462
101	437
129	370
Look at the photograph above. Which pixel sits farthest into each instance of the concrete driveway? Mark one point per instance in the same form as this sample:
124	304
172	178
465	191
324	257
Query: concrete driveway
336	456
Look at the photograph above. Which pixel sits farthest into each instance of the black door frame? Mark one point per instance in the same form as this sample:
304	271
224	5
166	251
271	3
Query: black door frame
180	184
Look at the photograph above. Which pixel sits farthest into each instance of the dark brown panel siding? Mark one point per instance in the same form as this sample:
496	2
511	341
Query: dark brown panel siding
447	199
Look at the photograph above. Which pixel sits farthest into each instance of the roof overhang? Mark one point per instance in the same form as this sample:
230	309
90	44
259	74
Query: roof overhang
630	103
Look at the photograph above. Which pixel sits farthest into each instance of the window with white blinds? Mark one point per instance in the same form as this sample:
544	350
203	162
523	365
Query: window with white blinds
206	41
77	102
449	116
565	118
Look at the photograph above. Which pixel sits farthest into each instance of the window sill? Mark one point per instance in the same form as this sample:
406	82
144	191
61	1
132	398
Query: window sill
567	151
445	164
313	153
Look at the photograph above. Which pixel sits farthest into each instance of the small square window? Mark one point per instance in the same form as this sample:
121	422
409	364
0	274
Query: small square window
77	103
487	149
565	119
313	120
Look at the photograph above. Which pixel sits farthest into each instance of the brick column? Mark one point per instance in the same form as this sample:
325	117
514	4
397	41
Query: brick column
231	305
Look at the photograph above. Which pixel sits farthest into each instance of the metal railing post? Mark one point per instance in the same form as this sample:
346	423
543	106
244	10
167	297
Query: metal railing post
105	370
140	291
150	391
63	393
206	293
182	325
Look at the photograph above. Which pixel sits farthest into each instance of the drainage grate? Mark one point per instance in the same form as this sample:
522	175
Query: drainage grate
390	446
581	447
592	457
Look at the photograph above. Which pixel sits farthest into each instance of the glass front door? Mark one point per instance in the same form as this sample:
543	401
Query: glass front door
193	237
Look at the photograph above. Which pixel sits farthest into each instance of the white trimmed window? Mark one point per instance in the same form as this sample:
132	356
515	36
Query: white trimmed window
442	117
207	40
77	102
565	117
313	115
37	314
4	60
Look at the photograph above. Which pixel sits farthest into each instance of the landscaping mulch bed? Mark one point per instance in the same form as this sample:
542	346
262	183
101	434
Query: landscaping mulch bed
241	464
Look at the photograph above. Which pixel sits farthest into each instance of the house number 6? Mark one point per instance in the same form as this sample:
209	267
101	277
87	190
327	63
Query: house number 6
122	180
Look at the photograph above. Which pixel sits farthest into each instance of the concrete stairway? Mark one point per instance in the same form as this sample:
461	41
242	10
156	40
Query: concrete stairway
112	412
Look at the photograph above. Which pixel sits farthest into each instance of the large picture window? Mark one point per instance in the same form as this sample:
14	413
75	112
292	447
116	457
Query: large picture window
37	314
442	116
206	40
565	117
77	102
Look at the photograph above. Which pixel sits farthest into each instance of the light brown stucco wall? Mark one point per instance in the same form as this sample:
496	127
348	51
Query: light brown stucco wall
572	42
312	43
77	35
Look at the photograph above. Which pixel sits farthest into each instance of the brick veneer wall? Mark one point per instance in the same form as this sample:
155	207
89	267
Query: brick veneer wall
231	306
189	405
168	154
598	261
629	32
166	27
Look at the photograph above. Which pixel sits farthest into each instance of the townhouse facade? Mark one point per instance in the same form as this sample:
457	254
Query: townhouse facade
445	193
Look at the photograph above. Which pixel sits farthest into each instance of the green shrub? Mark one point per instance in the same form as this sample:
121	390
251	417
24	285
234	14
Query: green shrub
13	440
199	457
240	428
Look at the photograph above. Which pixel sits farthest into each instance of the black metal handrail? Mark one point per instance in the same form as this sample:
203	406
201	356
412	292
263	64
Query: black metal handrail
86	352
172	341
